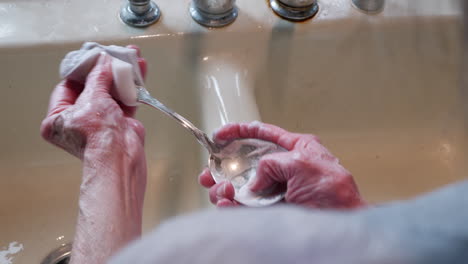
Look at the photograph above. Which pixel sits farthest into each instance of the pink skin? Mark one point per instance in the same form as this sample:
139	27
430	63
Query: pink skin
313	176
87	122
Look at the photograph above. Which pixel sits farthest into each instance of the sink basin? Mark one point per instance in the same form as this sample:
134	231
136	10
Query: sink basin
381	91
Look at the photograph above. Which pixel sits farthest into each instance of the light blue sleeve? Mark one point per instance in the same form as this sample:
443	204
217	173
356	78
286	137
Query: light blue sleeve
428	230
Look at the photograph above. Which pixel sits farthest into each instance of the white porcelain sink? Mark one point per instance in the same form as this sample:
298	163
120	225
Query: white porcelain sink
382	92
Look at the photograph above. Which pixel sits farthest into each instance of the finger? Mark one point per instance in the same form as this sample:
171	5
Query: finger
141	61
99	80
143	67
257	130
226	203
273	169
64	95
129	111
135	47
205	178
219	191
138	128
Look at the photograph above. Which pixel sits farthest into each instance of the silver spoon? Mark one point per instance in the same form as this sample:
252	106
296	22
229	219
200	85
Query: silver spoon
235	162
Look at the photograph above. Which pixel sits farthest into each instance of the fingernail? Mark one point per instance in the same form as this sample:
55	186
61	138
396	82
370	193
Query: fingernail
221	191
255	123
223	204
136	48
103	57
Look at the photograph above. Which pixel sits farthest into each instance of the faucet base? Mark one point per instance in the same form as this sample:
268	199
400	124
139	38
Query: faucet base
294	13
213	20
369	6
131	18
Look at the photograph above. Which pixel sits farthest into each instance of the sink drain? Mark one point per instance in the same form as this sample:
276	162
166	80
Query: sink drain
60	255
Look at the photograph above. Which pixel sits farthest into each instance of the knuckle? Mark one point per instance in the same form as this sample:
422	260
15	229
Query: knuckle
46	128
267	167
212	194
265	163
139	128
58	131
311	138
56	128
136	133
99	75
253	124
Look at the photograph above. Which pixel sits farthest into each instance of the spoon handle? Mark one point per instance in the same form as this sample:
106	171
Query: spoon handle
143	96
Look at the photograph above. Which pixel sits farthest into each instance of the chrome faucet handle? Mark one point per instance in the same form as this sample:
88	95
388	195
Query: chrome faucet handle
140	13
369	6
295	10
213	13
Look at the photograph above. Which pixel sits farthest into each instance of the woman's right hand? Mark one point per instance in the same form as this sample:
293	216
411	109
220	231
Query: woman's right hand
313	176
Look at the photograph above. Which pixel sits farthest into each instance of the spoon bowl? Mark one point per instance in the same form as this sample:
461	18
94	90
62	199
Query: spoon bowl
237	163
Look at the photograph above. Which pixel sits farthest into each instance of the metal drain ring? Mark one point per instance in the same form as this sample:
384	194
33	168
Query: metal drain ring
60	255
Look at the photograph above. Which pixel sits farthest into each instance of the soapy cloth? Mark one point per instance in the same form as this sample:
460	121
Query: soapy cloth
125	69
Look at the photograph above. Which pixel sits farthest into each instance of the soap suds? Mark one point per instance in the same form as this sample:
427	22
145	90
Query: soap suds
5	253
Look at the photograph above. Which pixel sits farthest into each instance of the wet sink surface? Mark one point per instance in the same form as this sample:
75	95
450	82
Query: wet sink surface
387	102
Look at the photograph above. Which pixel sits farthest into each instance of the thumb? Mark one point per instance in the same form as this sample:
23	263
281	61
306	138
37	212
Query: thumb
99	80
273	169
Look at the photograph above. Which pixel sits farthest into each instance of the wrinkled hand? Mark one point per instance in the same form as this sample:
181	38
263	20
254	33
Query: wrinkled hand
85	117
313	176
86	121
